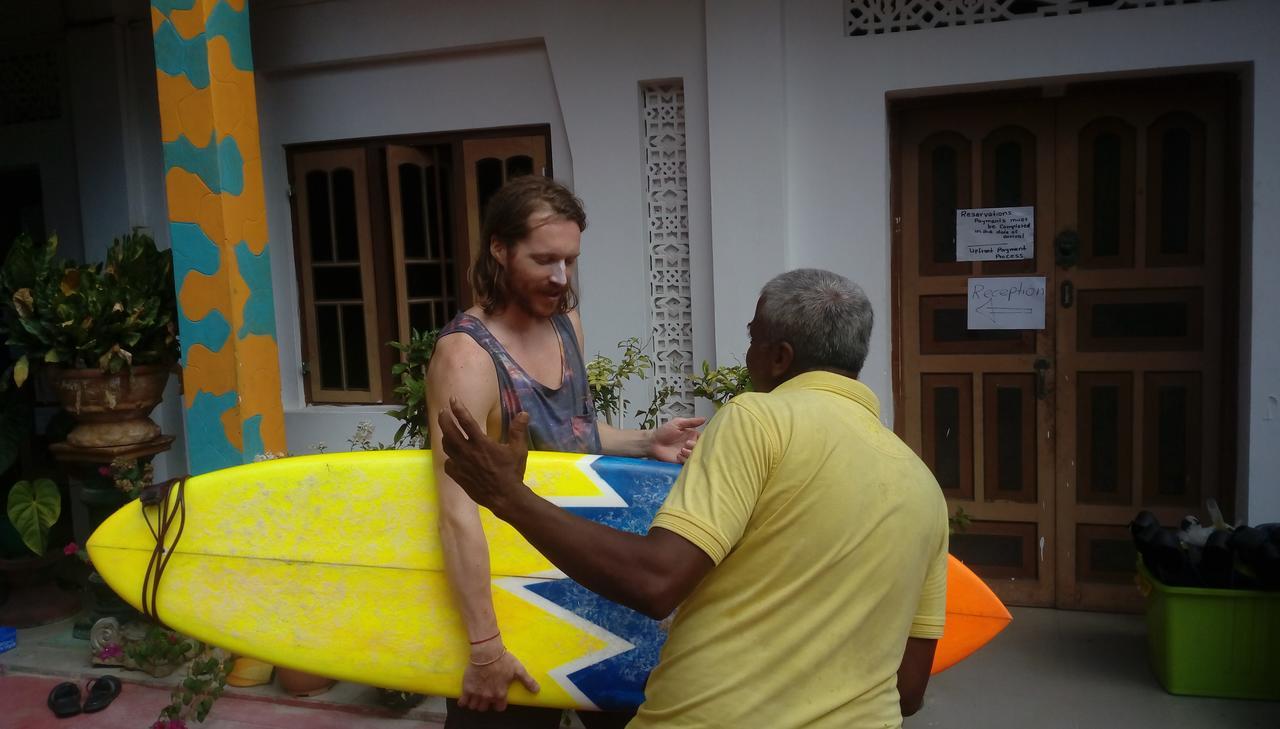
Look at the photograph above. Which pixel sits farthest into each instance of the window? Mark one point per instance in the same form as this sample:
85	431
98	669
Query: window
384	232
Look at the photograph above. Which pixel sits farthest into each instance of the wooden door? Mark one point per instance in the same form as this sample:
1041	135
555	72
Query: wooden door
972	401
1142	322
1050	441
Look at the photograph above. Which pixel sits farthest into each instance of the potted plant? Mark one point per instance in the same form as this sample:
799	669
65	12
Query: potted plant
105	333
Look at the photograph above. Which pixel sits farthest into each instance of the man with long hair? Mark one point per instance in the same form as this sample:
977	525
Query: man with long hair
517	363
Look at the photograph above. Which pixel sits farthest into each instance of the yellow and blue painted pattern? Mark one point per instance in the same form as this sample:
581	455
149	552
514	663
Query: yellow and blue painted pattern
218	229
279	561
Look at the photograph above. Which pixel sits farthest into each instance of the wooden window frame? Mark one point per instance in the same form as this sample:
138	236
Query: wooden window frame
385	300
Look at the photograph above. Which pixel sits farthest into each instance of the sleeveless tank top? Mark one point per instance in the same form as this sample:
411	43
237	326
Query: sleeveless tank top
560	418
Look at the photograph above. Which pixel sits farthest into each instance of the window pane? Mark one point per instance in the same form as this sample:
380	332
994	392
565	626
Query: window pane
329	346
519	165
488	180
336	283
433	213
420	317
444	232
353	347
318	215
344	215
415	234
424	280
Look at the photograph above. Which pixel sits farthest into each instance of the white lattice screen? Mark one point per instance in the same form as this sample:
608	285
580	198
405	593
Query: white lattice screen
667	209
871	17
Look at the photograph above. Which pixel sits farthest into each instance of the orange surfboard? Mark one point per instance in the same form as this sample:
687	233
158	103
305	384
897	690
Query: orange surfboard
974	616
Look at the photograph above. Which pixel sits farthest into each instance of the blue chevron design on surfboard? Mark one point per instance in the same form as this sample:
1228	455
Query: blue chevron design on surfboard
618	682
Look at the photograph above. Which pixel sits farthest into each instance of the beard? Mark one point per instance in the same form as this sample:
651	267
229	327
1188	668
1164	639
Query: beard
539	301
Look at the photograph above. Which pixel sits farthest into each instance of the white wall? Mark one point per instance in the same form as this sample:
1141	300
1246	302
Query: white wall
837	166
339	70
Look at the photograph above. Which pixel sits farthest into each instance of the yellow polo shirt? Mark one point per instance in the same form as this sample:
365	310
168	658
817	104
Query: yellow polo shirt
830	542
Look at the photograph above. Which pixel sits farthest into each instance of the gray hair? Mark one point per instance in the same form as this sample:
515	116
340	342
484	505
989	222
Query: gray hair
825	317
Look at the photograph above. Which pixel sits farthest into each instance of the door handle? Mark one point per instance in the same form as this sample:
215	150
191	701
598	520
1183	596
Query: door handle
1042	384
1066	248
1067	294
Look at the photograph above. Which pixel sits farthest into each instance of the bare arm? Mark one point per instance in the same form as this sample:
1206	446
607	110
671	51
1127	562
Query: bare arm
913	674
672	442
460	368
652	573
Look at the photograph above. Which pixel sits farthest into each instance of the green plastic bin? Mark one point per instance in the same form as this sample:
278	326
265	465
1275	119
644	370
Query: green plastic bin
1213	642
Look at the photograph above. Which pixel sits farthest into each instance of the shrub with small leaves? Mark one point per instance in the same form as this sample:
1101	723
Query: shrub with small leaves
412	390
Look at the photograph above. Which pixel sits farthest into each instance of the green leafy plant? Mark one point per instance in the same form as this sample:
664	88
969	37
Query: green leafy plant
606	380
648	417
412	390
722	384
34	507
108	315
193	698
959	522
160	647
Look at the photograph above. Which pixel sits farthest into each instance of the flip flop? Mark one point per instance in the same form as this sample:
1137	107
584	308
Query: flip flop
64	700
101	692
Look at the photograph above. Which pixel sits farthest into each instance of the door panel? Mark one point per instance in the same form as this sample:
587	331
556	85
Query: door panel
1051	440
970	397
1141	353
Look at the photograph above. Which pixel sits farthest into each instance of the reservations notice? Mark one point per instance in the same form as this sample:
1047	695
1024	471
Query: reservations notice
995	234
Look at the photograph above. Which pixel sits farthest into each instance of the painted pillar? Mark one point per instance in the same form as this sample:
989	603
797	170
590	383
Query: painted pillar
218	228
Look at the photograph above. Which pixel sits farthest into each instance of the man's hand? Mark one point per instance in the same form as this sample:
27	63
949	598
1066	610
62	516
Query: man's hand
673	441
491	473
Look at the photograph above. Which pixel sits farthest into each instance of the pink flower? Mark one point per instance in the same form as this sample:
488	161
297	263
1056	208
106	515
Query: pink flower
169	724
104	471
71	549
110	650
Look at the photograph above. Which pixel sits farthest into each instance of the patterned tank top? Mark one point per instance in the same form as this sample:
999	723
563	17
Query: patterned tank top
560	419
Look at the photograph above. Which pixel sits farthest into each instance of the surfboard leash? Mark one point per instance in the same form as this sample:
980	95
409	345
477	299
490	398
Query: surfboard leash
170	497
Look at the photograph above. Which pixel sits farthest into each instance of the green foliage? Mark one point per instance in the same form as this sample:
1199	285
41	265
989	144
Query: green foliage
648	417
107	315
722	384
412	390
606	380
206	678
34	507
959	522
159	647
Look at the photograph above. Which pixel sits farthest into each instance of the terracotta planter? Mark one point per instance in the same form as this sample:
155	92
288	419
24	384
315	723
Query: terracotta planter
110	410
299	683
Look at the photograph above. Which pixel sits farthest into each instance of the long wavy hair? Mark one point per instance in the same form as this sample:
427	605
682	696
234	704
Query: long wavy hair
506	220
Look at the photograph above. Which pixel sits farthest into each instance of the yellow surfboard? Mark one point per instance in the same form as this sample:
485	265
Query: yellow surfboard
331	564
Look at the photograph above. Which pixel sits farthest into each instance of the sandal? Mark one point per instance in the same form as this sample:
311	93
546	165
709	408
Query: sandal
64	700
101	692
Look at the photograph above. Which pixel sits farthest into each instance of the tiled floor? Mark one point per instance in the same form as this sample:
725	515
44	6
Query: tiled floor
1050	669
1058	669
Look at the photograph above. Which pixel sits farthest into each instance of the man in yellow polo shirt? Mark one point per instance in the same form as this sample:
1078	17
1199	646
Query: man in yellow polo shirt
804	543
